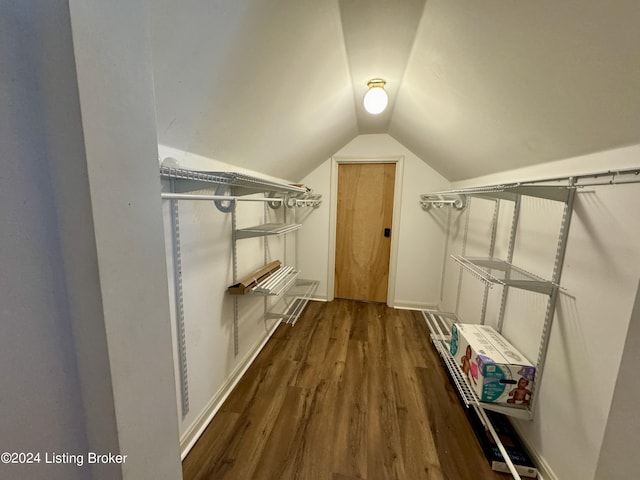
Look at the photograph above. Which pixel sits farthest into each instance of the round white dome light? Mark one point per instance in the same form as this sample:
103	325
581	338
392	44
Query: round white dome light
376	98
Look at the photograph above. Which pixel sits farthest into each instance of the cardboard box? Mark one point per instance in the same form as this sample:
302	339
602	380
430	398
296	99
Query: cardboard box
510	441
493	368
247	283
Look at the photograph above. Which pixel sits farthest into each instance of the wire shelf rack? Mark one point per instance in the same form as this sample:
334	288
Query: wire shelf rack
439	324
241	184
494	270
267	229
278	282
294	301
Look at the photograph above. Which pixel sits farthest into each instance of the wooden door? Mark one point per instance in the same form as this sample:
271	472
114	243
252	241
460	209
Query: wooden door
365	210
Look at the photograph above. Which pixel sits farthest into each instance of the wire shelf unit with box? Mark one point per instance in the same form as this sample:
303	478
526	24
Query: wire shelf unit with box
493	271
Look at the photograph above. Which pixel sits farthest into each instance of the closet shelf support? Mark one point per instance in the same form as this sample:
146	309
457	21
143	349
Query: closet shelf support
427	200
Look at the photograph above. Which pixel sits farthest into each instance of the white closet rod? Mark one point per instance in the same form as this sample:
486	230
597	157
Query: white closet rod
597	175
186	196
437	200
610	177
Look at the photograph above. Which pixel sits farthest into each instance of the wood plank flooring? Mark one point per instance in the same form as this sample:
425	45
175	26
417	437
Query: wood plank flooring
354	391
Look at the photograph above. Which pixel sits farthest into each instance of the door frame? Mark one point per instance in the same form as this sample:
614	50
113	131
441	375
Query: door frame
336	161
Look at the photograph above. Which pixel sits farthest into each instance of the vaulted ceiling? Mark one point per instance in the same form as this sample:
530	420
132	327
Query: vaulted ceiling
475	86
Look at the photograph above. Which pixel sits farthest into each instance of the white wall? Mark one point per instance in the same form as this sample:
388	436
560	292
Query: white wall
213	61
420	236
207	270
41	400
115	86
85	344
619	457
313	247
593	313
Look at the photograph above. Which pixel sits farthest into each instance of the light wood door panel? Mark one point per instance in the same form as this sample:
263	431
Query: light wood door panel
365	209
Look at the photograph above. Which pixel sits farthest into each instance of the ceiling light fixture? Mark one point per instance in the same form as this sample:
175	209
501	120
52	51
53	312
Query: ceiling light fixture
376	99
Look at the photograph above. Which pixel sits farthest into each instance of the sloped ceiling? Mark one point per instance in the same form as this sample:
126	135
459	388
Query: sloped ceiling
476	86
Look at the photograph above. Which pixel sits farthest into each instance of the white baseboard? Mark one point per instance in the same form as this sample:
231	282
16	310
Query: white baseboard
409	305
318	299
193	433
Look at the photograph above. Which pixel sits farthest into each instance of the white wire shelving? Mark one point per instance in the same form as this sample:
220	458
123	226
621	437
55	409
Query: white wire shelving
278	282
285	294
439	324
293	302
558	193
495	270
267	229
492	271
241	184
229	189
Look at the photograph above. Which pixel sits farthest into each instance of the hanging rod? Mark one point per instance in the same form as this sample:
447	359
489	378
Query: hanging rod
573	179
435	200
186	196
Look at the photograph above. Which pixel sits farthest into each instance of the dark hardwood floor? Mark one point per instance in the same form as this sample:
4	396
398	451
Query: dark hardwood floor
353	391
